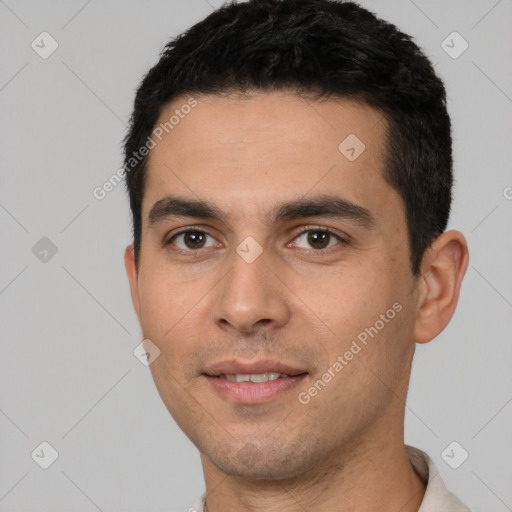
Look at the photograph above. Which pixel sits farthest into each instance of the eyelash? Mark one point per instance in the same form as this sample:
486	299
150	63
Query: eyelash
193	229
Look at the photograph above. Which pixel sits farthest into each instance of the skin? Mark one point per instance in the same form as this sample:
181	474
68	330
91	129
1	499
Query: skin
296	303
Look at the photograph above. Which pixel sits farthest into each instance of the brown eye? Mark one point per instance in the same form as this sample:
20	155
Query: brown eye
194	239
191	240
318	239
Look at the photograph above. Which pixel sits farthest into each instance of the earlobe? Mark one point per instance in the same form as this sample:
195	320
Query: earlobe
132	273
444	266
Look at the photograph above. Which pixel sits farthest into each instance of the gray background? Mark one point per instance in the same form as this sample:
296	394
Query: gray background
68	373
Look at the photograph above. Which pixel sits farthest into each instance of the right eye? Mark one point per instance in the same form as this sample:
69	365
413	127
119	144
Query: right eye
190	240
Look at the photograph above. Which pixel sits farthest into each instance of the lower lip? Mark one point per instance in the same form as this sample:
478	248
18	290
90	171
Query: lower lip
253	392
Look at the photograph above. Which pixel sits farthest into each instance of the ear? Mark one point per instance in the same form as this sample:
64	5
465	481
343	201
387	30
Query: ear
442	270
132	273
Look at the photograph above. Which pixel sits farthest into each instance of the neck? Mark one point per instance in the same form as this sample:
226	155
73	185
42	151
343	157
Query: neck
375	475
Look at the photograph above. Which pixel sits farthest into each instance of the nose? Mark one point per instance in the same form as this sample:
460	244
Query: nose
250	297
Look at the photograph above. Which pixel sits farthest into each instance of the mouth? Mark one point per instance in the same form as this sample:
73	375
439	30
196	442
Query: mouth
257	378
254	382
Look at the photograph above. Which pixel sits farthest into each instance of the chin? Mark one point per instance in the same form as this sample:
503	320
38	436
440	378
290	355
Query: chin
269	463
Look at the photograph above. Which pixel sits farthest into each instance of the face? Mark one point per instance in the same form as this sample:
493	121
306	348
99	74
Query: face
273	248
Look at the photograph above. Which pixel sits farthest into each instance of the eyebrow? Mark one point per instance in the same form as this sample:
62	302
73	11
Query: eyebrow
317	206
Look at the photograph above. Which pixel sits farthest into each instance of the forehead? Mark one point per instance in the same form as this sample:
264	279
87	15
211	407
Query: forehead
253	151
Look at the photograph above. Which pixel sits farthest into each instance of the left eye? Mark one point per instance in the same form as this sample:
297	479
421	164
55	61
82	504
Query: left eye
319	238
192	239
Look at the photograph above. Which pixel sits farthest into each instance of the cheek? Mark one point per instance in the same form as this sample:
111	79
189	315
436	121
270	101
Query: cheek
346	300
165	307
368	360
169	318
365	311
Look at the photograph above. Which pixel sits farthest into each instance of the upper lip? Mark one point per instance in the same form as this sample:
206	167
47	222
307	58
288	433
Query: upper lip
233	367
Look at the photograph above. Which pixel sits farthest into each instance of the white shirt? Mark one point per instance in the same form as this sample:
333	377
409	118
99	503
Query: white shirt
437	498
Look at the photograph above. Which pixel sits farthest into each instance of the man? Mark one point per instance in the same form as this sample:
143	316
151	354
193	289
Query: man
289	171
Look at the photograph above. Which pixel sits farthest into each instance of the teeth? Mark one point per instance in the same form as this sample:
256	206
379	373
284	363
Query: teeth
255	377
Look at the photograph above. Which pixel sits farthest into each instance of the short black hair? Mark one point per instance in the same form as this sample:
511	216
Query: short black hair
324	48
